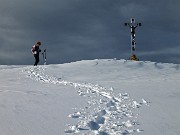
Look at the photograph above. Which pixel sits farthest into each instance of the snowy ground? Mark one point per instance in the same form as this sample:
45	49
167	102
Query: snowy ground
95	97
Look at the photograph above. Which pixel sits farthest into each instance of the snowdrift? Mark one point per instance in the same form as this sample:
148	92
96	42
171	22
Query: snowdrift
90	97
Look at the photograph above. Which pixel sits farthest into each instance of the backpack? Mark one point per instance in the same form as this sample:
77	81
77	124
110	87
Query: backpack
33	49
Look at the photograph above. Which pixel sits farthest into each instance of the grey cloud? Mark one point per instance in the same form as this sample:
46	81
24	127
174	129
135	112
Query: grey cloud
87	29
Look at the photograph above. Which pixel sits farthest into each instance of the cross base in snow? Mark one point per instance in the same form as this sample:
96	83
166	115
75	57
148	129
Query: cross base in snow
134	57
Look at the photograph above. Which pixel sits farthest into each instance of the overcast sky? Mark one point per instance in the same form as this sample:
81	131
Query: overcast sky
74	30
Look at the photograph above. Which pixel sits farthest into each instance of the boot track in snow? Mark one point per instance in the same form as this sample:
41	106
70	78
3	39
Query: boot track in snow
106	113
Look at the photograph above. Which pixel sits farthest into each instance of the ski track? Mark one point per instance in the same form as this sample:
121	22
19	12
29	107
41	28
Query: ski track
105	113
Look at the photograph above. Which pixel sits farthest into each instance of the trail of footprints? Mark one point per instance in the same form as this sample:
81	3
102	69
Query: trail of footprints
105	113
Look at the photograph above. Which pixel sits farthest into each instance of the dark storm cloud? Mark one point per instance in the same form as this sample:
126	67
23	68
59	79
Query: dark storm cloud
73	30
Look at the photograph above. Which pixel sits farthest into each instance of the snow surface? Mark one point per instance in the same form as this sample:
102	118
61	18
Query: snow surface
90	97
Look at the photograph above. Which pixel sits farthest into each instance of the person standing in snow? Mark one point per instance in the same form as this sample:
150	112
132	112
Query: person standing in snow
35	51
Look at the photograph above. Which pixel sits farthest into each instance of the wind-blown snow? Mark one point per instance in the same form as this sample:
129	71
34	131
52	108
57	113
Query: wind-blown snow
95	97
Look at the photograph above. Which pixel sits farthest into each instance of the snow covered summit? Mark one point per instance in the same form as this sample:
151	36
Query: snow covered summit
90	97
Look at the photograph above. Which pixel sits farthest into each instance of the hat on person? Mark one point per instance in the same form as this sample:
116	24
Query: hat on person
39	43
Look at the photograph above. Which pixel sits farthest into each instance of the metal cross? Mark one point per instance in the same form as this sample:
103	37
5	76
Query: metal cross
133	25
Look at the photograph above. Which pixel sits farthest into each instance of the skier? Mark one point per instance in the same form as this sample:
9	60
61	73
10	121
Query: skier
35	51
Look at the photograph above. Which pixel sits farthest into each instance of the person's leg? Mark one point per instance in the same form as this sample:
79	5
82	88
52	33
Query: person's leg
35	64
36	60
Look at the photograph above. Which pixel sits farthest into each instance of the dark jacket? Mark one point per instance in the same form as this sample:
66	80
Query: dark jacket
36	50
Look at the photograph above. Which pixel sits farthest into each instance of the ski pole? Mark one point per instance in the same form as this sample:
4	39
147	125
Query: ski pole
44	56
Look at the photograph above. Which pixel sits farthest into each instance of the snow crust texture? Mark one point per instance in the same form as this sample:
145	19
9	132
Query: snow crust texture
90	97
106	113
